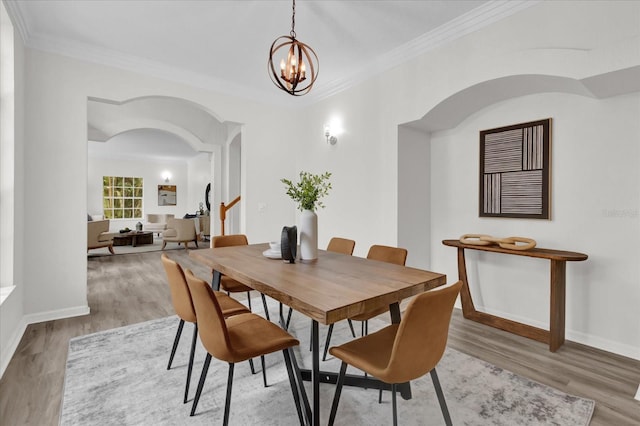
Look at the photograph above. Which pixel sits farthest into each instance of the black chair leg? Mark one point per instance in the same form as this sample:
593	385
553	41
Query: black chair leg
253	369
264	371
227	403
353	332
264	305
249	300
289	317
191	355
327	342
380	397
301	389
395	407
175	343
310	341
441	400
203	376
336	396
294	385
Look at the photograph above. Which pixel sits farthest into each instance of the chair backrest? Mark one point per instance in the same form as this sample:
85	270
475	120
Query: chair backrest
388	254
341	245
95	228
229	240
211	324
185	228
422	334
180	295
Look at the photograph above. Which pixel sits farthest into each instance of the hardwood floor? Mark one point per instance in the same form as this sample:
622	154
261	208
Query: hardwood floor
126	289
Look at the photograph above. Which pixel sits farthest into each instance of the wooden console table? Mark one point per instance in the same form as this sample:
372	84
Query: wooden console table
555	335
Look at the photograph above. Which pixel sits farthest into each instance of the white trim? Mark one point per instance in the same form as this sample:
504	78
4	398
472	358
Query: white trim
57	314
480	17
5	292
12	345
575	336
8	352
17	18
638	394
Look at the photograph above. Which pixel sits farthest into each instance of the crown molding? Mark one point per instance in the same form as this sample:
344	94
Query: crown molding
473	20
17	18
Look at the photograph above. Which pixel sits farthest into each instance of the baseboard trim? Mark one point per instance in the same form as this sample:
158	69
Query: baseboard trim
76	311
10	350
12	345
638	393
617	348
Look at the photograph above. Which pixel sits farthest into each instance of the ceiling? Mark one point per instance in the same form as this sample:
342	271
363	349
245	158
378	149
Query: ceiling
224	45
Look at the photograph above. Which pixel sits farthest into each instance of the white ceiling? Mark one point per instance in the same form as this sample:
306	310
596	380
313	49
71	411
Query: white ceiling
224	45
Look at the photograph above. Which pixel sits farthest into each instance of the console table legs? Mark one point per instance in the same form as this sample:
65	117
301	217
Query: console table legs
554	337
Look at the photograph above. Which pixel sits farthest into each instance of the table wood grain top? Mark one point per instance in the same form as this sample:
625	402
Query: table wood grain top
333	288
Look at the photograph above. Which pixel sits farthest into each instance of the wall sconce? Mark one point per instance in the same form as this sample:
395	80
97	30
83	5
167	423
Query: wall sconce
331	138
166	176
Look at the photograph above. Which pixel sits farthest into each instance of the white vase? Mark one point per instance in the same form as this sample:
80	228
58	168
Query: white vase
308	235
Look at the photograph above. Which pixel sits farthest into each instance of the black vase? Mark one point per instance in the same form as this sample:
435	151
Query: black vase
289	243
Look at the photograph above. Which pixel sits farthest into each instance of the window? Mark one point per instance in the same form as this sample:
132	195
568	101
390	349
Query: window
7	155
122	197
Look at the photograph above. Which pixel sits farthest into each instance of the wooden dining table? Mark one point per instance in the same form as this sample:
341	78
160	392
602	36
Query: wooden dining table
330	289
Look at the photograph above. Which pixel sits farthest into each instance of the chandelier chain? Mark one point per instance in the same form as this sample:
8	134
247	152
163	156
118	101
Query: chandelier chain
293	20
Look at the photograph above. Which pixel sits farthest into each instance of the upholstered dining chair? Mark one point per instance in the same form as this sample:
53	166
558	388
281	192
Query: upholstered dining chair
384	254
402	352
336	245
236	339
229	284
181	299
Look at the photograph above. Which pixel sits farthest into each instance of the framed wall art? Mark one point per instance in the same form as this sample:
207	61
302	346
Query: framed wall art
515	171
167	195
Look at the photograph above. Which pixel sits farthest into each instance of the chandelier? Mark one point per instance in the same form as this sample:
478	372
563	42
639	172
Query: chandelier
300	66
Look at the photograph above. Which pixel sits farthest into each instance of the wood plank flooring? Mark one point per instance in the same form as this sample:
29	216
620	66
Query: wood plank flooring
126	289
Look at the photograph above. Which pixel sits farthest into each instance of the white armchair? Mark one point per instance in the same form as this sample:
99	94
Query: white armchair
180	231
98	235
156	222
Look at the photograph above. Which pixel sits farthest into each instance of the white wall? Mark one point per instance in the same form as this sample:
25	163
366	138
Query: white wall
57	90
12	323
151	172
595	209
363	205
199	175
548	39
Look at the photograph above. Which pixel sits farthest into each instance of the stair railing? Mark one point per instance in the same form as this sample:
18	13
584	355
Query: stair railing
223	212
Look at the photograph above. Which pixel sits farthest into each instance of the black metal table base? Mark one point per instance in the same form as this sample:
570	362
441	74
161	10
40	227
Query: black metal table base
366	382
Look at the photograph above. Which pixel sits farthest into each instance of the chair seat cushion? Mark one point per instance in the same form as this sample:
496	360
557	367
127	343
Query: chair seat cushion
251	335
230	306
370	353
233	286
170	233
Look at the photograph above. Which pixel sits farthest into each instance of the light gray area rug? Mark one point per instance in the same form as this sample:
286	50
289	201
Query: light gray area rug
119	377
145	248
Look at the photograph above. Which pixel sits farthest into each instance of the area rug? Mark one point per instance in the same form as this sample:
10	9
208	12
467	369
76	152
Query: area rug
144	248
120	377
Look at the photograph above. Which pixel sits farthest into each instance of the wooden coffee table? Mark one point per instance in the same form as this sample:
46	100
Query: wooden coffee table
133	238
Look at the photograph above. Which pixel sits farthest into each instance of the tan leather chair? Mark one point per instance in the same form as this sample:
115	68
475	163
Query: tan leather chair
341	245
98	235
179	231
182	304
229	284
236	339
384	254
402	352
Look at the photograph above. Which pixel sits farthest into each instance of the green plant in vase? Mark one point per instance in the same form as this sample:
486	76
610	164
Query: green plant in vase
308	192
